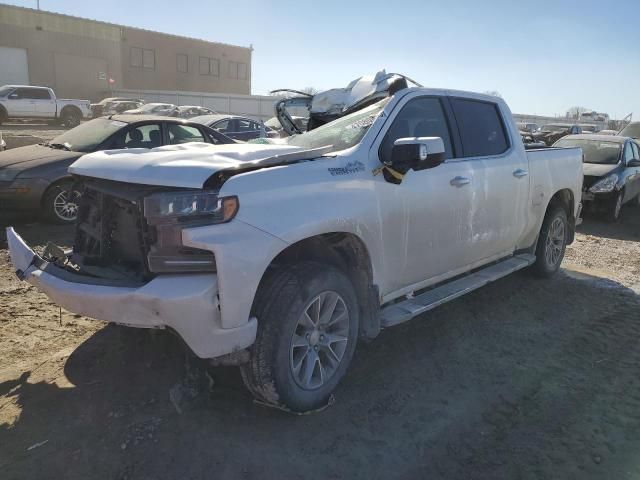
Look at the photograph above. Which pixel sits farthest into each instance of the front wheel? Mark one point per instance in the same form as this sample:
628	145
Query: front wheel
552	242
60	203
307	333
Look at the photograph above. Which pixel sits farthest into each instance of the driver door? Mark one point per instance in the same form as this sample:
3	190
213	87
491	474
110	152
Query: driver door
426	220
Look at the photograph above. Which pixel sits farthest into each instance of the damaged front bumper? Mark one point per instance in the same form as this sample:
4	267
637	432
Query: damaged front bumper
186	303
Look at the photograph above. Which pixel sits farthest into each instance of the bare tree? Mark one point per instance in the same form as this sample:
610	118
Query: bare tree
574	112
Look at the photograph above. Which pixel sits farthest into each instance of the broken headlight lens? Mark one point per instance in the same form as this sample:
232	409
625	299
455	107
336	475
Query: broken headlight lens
605	185
183	206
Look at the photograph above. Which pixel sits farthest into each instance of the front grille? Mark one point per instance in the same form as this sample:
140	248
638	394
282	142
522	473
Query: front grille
589	181
111	230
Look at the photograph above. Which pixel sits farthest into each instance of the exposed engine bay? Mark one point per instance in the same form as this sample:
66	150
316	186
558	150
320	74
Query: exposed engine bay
118	240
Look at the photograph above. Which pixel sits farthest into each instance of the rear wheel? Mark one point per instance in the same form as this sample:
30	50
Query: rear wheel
60	203
307	333
70	118
552	242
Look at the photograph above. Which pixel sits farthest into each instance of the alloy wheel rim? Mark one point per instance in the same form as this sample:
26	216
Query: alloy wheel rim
555	242
64	207
319	341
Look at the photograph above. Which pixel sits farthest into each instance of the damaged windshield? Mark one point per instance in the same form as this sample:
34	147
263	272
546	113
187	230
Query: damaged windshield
342	133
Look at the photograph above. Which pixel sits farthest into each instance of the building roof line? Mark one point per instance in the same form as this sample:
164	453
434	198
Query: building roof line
47	12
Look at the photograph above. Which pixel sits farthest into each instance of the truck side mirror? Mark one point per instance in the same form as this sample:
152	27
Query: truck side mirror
417	153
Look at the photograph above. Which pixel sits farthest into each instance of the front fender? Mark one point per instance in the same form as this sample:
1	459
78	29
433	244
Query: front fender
242	253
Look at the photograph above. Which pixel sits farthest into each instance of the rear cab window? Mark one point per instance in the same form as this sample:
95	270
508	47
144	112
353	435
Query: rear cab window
482	130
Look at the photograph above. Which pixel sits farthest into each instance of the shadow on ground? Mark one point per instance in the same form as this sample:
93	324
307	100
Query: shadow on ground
521	379
628	228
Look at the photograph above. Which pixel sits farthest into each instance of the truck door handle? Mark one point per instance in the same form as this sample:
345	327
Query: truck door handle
459	181
519	173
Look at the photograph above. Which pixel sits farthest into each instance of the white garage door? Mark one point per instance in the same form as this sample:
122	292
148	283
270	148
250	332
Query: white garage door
13	66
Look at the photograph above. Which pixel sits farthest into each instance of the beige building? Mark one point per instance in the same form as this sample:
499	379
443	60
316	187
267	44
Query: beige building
83	58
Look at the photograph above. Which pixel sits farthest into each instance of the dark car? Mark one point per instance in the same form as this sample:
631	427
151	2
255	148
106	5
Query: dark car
35	178
552	132
238	128
611	171
632	130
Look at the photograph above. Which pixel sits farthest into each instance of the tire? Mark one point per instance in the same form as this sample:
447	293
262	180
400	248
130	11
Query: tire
56	205
552	242
287	346
615	208
70	118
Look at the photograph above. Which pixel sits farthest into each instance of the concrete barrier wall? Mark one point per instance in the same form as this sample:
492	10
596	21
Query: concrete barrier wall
254	106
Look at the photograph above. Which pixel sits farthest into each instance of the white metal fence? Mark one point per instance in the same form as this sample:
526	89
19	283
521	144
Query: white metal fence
540	120
254	106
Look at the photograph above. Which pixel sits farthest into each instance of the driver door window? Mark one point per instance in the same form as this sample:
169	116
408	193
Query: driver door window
422	117
144	136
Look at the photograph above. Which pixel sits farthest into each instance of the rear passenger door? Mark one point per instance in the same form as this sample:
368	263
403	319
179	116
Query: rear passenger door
499	179
45	106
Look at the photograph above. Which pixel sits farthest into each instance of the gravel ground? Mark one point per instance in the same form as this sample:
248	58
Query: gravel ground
523	378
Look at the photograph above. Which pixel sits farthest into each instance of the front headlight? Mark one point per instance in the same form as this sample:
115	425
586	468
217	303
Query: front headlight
168	213
186	206
8	174
607	184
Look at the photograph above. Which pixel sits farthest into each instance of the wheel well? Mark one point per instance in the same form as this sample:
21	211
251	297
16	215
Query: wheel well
564	198
53	185
72	108
346	252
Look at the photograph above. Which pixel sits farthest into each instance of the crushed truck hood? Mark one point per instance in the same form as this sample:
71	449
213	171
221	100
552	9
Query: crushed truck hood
188	165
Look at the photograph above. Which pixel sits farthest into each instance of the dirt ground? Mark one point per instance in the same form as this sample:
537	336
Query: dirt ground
523	378
19	134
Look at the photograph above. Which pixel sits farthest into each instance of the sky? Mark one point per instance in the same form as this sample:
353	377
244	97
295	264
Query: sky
542	56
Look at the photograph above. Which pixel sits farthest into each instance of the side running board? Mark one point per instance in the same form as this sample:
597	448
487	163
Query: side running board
407	309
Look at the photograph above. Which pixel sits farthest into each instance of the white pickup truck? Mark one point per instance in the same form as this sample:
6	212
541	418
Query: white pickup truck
278	257
40	103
